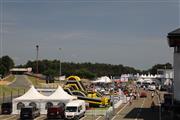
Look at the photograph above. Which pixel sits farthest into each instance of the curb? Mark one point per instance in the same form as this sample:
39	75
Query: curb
11	82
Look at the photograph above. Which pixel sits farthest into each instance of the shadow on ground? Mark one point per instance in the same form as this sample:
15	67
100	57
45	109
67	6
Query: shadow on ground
144	113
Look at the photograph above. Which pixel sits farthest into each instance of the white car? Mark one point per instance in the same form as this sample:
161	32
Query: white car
75	109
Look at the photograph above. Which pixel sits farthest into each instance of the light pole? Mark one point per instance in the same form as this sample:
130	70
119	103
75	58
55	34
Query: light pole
113	95
37	56
60	65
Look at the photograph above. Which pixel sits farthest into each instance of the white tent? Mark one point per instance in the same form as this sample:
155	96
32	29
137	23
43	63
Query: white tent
32	96
103	79
140	80
60	96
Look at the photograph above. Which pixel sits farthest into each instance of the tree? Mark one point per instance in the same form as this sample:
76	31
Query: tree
7	62
154	68
85	74
3	70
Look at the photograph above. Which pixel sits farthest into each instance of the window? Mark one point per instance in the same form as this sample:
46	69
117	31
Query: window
71	109
20	105
33	104
48	105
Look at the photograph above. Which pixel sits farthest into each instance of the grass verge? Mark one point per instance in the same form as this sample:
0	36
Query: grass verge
10	78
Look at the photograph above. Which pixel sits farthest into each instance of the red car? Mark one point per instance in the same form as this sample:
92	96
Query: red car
143	94
55	112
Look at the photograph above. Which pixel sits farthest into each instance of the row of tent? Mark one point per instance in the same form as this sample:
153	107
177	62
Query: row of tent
41	101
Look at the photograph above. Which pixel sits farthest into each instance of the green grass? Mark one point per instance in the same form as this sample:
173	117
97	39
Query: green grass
36	81
41	83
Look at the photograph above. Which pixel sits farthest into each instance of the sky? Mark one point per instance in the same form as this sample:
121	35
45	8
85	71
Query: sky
128	32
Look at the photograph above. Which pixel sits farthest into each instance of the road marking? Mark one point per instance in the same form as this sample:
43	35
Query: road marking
39	118
83	118
12	81
139	111
10	117
122	108
113	117
98	117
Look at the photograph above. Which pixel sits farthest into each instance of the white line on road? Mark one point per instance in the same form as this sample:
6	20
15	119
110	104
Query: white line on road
120	111
10	117
39	118
98	117
138	113
122	108
113	117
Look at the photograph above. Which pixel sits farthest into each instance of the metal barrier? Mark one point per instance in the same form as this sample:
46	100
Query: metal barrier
8	96
109	114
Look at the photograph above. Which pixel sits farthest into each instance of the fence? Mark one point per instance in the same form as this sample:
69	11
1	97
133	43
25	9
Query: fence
7	94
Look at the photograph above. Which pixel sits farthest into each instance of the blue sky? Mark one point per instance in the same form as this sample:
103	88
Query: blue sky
128	32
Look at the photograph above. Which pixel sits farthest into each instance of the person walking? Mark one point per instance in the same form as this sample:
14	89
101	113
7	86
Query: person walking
152	95
131	98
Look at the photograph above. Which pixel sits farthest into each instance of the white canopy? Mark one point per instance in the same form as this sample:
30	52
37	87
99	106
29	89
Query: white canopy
31	94
60	94
103	79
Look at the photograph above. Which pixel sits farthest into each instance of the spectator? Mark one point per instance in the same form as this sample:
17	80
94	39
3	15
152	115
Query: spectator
152	95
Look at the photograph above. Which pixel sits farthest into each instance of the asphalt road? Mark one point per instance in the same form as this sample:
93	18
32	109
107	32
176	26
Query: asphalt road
140	109
20	81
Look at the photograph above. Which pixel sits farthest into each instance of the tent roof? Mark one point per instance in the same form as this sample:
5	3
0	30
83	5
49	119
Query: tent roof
31	94
60	94
103	79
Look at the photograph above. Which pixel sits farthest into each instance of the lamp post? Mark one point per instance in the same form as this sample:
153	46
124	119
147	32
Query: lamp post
37	56
113	96
60	65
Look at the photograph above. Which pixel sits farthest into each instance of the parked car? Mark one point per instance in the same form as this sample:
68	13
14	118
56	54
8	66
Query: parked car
75	109
56	112
29	112
6	108
143	94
